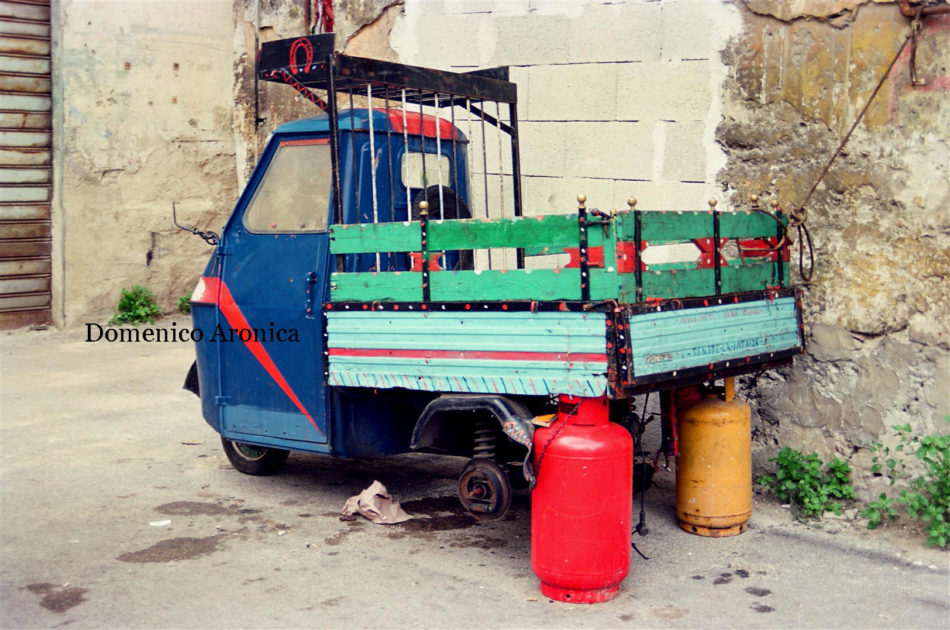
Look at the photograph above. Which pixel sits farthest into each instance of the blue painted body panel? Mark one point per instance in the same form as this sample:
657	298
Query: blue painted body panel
681	339
269	278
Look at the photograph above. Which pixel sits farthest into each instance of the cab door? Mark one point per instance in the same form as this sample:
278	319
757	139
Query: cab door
273	281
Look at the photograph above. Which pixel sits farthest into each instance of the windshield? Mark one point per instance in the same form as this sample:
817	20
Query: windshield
294	193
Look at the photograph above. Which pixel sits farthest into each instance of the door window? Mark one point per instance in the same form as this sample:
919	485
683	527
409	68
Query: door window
415	176
294	193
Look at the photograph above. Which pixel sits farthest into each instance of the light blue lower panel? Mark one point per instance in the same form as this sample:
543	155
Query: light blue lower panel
479	352
694	337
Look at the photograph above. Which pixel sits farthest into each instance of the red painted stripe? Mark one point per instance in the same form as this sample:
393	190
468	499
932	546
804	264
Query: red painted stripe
207	291
416	123
495	355
232	312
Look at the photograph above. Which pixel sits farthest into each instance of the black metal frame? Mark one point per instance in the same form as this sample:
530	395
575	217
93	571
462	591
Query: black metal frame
312	63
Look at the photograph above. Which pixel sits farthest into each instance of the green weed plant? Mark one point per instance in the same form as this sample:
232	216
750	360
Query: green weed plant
137	305
808	484
926	495
183	306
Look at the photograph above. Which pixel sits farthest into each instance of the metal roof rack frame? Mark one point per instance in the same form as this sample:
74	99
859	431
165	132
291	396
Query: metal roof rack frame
311	63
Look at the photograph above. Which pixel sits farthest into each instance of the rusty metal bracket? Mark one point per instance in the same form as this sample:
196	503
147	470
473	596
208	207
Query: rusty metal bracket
913	9
915	27
917	11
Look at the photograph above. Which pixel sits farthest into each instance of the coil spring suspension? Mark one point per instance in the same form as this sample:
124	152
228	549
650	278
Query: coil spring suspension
484	439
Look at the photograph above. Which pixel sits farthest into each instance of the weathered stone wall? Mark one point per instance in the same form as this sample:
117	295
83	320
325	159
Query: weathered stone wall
876	308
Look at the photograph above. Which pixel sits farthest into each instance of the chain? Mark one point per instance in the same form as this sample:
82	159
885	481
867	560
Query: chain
209	237
554	437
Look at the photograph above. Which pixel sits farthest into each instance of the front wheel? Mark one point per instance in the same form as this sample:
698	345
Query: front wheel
254	460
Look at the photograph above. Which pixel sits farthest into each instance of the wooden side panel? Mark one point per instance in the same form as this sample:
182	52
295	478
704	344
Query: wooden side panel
658	228
530	232
751	275
375	237
395	286
747	225
611	254
489	352
680	339
498	285
679	226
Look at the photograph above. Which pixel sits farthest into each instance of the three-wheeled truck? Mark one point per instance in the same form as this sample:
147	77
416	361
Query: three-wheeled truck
379	288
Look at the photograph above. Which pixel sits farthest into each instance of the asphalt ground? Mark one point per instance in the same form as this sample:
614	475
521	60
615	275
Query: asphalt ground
118	509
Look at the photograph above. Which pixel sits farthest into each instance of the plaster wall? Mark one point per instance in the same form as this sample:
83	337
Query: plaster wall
145	116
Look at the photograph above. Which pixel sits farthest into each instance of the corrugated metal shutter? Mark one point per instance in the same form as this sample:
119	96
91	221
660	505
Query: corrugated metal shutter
25	162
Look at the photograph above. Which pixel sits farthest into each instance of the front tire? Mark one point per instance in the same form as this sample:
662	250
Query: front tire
254	460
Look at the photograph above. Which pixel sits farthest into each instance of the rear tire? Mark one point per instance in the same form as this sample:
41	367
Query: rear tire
254	460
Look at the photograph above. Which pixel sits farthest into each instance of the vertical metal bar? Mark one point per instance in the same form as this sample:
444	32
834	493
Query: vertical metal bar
638	259
481	114
438	154
354	161
389	161
582	238
501	159
454	165
422	137
334	140
780	252
717	266
372	158
470	162
405	142
424	233
515	157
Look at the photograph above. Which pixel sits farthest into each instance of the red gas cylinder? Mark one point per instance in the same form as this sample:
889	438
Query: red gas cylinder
581	505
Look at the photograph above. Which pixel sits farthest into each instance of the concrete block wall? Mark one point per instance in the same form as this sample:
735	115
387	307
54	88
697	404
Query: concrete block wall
617	99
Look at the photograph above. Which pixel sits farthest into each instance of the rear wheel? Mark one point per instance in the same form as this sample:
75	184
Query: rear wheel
484	489
254	460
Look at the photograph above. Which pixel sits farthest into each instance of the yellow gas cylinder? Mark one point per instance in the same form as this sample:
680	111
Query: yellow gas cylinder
714	465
